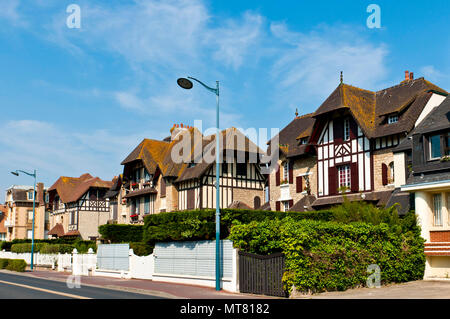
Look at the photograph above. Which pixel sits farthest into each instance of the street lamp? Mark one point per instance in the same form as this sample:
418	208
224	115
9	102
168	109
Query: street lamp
34	206
187	84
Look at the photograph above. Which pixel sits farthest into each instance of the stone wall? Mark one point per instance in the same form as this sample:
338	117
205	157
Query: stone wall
382	157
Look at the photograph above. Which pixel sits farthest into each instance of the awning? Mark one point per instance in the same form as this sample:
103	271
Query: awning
144	191
57	230
379	197
72	233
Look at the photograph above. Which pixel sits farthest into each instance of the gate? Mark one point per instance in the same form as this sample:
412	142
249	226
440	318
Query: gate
261	274
113	257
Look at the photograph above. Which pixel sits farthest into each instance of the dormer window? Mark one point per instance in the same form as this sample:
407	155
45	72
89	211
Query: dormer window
438	146
191	165
304	141
30	195
393	118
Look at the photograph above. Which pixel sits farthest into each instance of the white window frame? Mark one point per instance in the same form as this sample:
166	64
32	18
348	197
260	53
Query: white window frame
393	118
437	210
346	129
348	176
30	195
430	148
286	171
285	205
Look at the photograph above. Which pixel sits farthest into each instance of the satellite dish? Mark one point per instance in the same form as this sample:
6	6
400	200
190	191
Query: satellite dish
185	83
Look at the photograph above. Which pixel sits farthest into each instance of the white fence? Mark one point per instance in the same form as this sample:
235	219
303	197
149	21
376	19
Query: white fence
178	262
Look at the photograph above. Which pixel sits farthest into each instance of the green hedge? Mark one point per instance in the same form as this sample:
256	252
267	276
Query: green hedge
82	247
117	233
141	249
326	256
75	241
16	265
3	263
200	224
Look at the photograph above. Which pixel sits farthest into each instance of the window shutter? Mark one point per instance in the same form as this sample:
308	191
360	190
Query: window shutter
277	176
163	188
338	130
354	177
277	206
291	203
332	180
291	172
353	128
384	173
299	184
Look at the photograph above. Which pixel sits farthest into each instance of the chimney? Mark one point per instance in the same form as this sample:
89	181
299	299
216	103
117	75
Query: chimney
40	194
176	130
411	76
406	75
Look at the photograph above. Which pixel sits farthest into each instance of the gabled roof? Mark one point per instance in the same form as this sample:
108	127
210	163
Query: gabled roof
70	189
371	108
57	230
158	155
290	136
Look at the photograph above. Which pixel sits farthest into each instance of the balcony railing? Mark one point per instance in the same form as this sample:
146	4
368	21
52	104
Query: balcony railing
9	223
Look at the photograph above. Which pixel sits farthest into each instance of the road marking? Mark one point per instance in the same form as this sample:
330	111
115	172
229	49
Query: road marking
44	290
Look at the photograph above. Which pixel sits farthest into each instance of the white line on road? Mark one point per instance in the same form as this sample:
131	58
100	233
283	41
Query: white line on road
44	290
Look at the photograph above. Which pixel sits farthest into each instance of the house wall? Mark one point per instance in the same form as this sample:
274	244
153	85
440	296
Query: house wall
301	166
381	157
19	216
434	101
399	169
89	221
437	266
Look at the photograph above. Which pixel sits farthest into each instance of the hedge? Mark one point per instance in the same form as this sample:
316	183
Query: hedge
141	249
6	245
3	263
200	224
117	233
82	247
16	265
325	256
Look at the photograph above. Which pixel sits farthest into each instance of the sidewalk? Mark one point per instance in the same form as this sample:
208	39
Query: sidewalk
167	290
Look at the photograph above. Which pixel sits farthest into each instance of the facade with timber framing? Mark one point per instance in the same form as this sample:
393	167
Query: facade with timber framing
179	173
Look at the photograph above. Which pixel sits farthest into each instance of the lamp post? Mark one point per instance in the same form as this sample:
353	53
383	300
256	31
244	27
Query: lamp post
34	207
187	84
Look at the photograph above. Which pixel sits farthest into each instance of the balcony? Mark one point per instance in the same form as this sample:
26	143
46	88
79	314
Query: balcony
9	223
284	192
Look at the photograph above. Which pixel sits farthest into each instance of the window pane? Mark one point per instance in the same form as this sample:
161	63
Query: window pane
435	146
437	210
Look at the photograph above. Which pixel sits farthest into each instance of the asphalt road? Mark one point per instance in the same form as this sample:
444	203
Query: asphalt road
23	287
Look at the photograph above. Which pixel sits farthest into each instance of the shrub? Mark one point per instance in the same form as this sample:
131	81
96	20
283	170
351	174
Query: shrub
116	233
141	249
3	263
55	248
200	224
26	248
83	246
324	256
16	265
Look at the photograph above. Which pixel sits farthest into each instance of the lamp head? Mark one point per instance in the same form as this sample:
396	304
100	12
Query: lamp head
185	83
15	173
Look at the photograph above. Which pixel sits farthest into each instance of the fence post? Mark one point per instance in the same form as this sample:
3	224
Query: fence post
75	263
91	262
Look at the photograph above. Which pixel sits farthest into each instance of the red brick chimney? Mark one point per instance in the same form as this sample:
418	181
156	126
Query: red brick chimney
406	75
411	76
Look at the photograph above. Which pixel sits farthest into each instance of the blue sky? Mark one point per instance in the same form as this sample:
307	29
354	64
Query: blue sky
79	100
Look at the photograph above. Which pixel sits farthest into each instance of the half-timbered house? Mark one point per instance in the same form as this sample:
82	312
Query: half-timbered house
292	185
178	173
78	206
354	133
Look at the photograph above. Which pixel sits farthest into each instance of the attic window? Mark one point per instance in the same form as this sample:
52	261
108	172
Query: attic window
393	118
191	165
304	141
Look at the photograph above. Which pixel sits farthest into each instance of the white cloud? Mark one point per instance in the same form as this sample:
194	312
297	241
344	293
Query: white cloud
309	67
429	71
9	12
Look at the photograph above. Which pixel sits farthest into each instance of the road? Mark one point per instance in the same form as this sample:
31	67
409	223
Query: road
14	286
